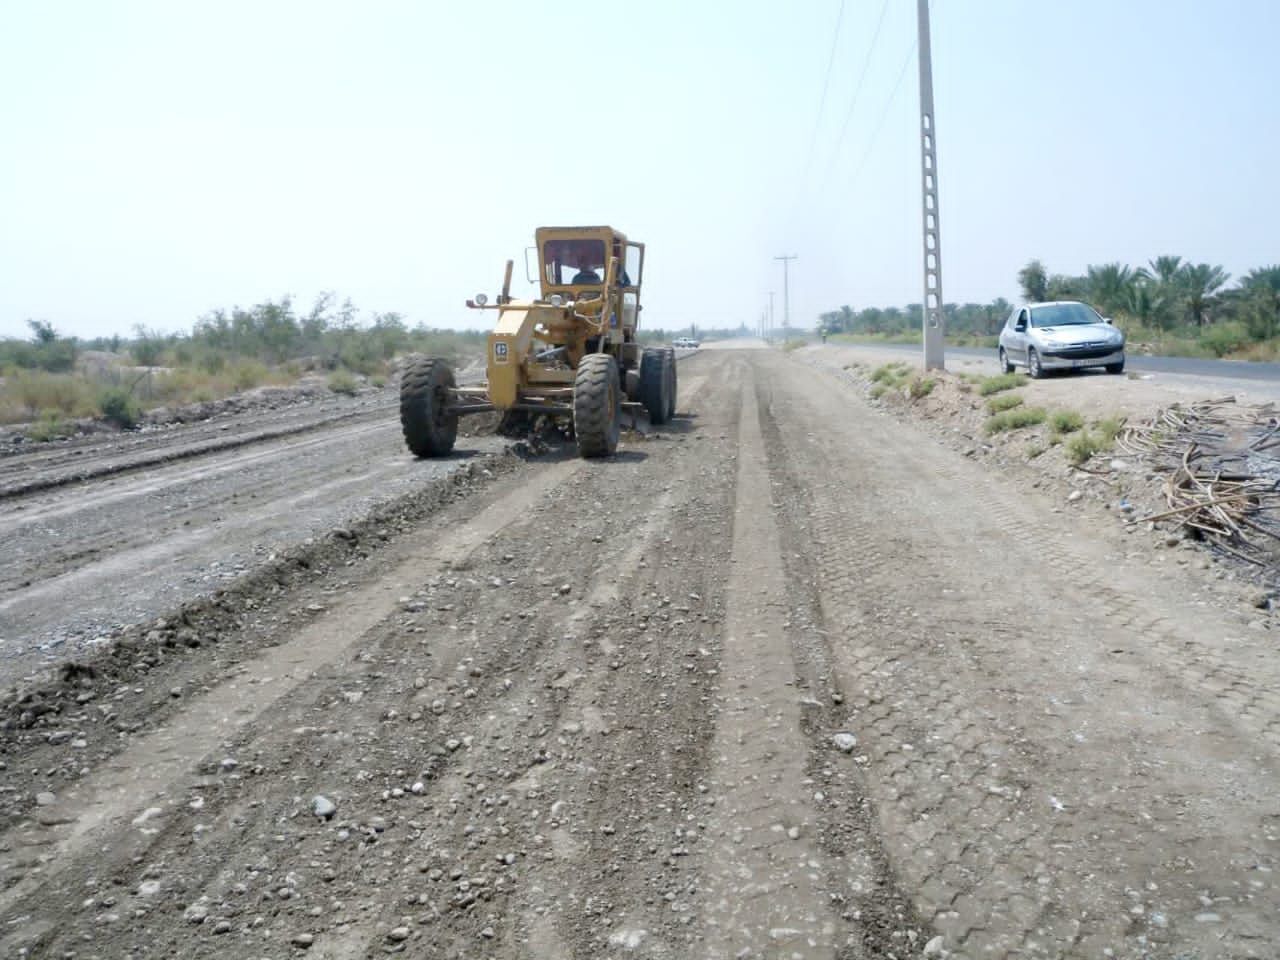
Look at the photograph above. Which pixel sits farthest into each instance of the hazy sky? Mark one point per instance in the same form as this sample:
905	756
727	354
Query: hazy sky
161	159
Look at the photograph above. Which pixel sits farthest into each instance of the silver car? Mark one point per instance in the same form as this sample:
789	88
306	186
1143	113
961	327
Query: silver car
1062	335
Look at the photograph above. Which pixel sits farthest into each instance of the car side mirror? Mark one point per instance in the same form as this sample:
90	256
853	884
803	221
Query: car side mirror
1020	327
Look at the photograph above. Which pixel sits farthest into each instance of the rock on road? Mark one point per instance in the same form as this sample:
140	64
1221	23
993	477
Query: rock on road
785	679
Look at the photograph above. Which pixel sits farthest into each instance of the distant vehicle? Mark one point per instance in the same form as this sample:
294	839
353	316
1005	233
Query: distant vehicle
1061	335
686	343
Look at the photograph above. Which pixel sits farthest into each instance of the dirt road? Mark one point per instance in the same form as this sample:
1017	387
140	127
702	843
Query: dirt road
787	679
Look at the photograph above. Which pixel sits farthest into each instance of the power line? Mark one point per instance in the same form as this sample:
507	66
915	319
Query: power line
822	100
857	91
885	112
888	103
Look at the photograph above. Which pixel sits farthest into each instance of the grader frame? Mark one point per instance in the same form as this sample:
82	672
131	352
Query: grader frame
571	353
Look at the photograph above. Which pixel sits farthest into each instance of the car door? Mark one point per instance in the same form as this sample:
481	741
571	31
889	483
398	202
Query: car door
1018	337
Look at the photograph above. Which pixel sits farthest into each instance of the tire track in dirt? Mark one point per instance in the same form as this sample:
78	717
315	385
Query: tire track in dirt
767	889
1023	824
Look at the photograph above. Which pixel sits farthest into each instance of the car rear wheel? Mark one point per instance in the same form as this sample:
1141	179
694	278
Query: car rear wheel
1005	365
1033	364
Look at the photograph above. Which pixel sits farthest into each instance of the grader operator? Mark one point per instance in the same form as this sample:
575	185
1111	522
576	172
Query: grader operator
571	354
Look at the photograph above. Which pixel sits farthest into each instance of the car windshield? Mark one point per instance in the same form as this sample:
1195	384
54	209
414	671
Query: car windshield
1063	315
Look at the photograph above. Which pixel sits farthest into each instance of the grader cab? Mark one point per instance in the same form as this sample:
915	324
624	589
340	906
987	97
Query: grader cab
571	354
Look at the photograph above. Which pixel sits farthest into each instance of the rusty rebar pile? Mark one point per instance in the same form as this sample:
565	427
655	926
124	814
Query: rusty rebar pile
1221	467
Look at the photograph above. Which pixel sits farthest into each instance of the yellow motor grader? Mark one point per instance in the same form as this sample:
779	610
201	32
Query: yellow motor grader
571	354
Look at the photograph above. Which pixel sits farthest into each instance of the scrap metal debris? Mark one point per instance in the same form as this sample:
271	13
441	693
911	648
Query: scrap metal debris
1221	464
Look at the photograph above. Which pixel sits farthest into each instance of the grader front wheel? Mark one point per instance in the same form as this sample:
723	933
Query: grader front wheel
597	405
429	429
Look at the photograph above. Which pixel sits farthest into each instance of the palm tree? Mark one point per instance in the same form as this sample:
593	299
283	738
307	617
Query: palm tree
1264	281
1145	302
1063	287
1165	269
1109	286
997	311
1200	282
1262	286
1034	281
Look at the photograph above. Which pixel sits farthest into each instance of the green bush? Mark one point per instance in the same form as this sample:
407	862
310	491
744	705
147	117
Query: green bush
45	351
1109	429
50	426
1221	339
36	392
889	373
920	387
118	406
1065	421
1016	419
341	381
997	384
248	374
1082	446
1002	402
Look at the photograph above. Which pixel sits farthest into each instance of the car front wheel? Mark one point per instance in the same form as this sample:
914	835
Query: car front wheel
1005	365
1033	364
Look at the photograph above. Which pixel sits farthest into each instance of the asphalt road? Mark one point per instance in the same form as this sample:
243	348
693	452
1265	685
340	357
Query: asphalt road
1185	366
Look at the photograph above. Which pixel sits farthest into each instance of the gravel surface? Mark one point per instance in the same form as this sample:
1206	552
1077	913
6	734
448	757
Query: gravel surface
795	676
112	529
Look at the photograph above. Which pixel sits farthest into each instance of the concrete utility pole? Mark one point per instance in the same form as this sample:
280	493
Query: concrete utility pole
769	330
934	319
786	298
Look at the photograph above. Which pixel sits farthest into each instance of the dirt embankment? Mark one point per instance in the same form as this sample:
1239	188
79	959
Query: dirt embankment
1113	484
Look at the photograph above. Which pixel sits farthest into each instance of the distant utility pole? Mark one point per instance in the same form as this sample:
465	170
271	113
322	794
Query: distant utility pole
769	332
786	298
934	318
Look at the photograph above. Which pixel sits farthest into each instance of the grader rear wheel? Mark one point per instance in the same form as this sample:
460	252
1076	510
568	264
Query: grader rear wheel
669	360
597	405
655	385
429	430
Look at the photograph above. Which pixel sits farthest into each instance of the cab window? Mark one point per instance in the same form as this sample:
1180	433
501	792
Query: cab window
632	265
574	262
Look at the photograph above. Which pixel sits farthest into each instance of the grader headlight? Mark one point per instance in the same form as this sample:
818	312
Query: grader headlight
482	299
